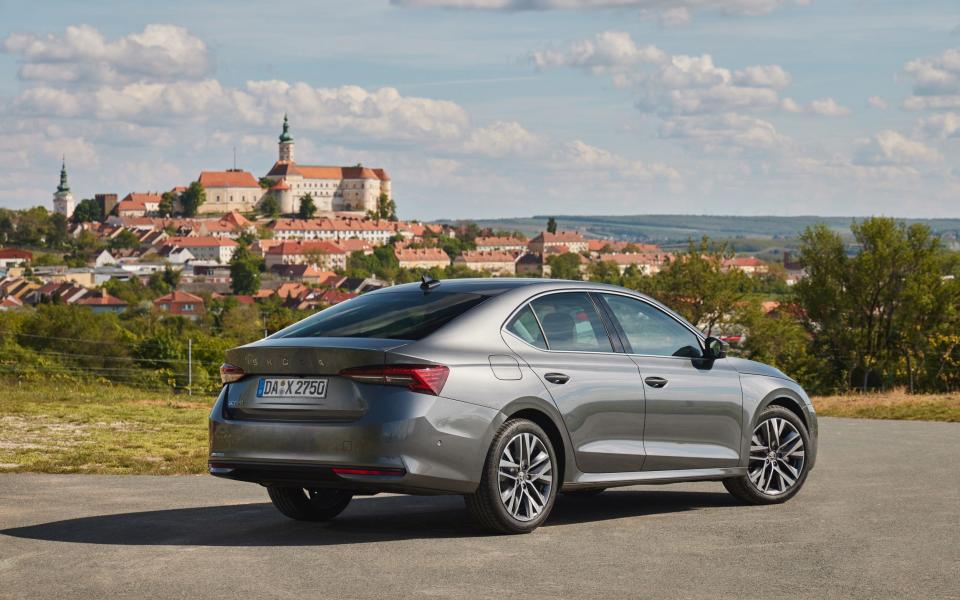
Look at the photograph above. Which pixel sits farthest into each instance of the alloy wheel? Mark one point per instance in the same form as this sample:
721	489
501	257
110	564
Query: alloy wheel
525	476
776	456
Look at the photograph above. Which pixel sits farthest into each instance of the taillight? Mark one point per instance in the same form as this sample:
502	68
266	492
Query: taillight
428	379
230	373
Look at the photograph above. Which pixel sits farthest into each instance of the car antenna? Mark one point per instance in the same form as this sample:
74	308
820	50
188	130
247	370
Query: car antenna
427	283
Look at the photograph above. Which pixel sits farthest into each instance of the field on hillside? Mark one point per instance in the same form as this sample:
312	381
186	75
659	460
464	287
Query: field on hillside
92	428
679	228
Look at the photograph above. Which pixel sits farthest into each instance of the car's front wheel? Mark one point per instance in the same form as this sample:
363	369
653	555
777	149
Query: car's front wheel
777	467
519	482
309	504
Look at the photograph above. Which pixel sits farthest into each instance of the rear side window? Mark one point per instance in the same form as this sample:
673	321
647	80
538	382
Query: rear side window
570	322
391	315
525	327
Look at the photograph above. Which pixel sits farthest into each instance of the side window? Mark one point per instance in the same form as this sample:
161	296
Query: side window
651	331
524	325
570	322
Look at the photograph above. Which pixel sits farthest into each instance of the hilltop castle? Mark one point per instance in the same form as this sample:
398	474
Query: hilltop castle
353	189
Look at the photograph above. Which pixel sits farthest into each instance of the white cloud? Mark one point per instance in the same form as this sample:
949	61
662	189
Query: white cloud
940	126
729	132
877	102
502	138
606	52
382	114
670	84
772	76
828	107
677	12
936	81
890	147
824	107
83	54
579	157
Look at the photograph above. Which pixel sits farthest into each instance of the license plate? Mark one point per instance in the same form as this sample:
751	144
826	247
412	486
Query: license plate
292	387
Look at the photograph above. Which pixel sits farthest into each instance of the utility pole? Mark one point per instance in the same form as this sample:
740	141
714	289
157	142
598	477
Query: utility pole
190	366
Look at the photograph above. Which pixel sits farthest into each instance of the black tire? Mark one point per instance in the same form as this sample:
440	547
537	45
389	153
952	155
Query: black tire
485	506
743	489
309	505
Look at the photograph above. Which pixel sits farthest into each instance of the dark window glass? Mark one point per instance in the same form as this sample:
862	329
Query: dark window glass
391	315
650	330
525	327
570	322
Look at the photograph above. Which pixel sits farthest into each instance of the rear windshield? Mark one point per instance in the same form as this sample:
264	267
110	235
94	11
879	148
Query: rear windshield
391	315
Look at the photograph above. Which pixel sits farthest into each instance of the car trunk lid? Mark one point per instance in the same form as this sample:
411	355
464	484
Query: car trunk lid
298	378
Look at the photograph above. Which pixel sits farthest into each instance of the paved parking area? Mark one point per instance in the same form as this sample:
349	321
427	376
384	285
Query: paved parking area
879	518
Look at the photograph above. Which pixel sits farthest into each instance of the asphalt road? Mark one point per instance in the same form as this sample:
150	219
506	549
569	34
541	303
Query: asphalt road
879	518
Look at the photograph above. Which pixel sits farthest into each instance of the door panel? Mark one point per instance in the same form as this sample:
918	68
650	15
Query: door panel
602	405
693	421
598	392
693	405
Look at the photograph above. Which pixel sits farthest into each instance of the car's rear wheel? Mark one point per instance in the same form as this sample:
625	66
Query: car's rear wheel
309	504
777	467
519	482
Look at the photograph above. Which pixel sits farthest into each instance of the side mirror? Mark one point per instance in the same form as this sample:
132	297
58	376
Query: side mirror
716	348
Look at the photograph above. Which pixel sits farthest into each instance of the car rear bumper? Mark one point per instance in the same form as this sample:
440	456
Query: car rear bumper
427	444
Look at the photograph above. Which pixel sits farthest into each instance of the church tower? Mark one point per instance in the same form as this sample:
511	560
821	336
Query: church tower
63	199
286	142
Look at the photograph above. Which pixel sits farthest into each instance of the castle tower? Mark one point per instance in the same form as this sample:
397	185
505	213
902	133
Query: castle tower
286	142
63	199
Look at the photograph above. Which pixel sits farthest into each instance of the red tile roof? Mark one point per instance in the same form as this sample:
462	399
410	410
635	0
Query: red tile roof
178	296
559	237
479	256
200	241
224	179
15	253
102	299
421	254
295	247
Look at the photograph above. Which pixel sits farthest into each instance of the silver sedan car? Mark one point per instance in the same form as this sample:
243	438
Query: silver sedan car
507	391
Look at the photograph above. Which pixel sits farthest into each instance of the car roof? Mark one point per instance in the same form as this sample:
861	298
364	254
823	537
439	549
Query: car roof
494	286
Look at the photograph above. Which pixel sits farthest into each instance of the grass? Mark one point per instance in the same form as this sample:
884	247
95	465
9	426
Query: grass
896	404
70	427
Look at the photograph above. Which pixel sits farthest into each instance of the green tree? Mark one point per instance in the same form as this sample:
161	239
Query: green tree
168	204
565	266
605	271
244	271
269	206
696	285
87	211
124	239
386	209
308	207
551	225
192	199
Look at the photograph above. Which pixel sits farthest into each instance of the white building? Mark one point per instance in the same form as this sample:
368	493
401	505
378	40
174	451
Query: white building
229	190
63	200
347	189
206	248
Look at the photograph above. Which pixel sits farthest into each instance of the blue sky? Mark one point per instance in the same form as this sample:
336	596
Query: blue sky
486	108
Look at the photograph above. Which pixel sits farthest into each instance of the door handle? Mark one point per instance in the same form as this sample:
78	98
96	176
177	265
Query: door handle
556	377
655	382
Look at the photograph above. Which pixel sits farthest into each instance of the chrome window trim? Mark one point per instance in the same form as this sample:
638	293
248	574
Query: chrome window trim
650	302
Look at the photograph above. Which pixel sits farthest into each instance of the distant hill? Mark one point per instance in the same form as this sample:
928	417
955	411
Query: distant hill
679	228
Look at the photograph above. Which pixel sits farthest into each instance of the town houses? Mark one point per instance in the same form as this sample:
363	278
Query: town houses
305	259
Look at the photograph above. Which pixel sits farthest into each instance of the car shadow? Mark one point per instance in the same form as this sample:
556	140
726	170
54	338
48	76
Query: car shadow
368	519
